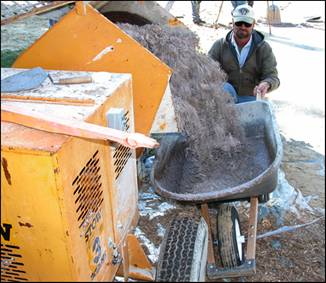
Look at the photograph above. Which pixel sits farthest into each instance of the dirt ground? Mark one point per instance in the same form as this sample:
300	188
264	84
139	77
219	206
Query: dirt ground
297	255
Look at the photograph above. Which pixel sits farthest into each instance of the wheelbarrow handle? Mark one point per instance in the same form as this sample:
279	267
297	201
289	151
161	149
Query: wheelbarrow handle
45	122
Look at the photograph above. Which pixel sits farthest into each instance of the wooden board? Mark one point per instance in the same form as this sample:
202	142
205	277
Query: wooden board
16	10
45	122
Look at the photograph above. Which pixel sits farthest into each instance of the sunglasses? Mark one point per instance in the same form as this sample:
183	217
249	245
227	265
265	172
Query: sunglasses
239	24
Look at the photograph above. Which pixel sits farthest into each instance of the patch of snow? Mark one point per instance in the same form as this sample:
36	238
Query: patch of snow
287	198
160	230
150	204
153	251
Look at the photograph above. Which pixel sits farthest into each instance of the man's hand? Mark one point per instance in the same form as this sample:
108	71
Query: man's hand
261	89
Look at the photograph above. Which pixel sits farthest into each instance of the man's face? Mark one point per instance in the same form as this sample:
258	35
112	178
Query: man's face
243	30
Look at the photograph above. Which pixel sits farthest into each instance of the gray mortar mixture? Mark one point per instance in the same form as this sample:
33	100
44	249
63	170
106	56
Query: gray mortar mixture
216	145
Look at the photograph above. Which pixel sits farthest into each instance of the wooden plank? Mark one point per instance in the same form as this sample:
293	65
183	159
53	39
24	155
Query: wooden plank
35	11
98	4
219	12
252	229
46	122
210	255
268	20
55	100
125	260
72	80
140	267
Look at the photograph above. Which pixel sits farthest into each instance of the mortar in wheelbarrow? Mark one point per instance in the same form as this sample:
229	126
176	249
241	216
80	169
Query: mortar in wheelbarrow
240	175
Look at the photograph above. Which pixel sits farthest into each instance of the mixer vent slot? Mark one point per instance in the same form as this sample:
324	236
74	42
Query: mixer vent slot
126	121
121	153
11	264
88	191
120	158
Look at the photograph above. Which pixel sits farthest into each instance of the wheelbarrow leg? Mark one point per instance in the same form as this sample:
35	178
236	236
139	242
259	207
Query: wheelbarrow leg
210	256
252	229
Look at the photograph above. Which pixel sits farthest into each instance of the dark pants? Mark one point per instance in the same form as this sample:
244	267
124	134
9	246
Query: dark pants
237	3
169	5
237	98
195	10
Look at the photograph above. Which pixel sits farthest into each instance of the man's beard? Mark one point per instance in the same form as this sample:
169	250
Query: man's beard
243	35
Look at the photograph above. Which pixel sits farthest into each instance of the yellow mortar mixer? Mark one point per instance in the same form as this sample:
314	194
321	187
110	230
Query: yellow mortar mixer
68	203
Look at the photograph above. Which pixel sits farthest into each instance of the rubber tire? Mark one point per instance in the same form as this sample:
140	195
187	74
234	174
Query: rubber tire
183	252
226	235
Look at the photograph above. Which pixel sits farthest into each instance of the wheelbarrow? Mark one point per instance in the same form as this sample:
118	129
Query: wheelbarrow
187	250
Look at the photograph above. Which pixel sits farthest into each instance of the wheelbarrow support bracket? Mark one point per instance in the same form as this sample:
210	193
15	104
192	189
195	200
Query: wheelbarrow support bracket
246	269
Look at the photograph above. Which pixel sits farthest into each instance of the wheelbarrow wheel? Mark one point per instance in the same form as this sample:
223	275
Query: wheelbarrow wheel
183	252
229	236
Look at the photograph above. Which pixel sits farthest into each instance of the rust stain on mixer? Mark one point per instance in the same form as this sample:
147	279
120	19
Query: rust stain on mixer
4	164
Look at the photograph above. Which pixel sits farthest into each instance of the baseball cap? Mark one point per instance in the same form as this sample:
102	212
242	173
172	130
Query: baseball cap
243	13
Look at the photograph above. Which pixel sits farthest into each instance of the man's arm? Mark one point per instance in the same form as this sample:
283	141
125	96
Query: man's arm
215	51
269	73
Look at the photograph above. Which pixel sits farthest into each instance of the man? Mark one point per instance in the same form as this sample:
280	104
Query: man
237	3
195	5
246	57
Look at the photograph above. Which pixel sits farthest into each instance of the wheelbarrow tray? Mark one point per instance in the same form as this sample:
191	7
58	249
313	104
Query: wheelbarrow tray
253	115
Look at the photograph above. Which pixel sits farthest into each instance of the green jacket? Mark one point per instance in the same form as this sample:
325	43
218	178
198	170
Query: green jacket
259	66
